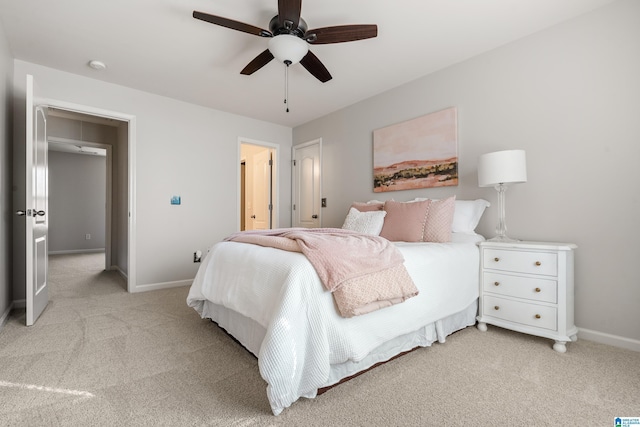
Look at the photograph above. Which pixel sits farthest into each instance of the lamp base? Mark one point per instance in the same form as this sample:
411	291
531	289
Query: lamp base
501	229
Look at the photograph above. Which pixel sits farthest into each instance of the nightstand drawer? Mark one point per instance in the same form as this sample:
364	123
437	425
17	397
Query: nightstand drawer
530	288
545	263
521	312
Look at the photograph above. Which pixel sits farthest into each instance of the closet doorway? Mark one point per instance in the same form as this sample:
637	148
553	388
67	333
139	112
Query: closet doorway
258	185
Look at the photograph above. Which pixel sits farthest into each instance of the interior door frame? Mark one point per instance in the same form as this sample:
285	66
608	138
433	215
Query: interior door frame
275	189
131	172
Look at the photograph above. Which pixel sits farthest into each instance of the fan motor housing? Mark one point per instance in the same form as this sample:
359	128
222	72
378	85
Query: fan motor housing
276	29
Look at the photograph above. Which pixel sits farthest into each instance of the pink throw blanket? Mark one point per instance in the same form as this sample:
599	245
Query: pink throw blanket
364	272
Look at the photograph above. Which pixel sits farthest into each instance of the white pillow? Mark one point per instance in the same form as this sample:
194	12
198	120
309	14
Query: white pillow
467	214
365	222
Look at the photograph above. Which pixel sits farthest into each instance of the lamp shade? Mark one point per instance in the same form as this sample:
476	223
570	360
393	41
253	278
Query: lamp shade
286	47
502	167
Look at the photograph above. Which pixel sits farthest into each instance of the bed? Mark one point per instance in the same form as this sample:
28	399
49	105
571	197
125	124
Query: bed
273	303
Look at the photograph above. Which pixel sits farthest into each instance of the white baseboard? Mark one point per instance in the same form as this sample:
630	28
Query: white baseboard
5	316
164	285
76	251
614	340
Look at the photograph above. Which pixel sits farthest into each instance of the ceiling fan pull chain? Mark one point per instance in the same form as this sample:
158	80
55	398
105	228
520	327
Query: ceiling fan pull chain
286	83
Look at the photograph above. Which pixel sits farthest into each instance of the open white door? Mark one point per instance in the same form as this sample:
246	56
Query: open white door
307	177
37	295
262	176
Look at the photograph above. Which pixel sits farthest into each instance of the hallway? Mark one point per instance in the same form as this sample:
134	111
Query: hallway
81	275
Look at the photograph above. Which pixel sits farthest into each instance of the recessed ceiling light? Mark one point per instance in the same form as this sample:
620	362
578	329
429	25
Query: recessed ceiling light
97	65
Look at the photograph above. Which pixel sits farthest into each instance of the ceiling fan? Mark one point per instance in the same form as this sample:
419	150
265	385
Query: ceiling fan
290	38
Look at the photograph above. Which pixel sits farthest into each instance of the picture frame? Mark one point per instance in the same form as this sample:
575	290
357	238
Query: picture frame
417	153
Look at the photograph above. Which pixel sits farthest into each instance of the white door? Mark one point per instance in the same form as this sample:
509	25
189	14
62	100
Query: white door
306	184
262	176
35	213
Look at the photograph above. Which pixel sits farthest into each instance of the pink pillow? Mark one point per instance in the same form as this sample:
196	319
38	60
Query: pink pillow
405	222
439	220
368	207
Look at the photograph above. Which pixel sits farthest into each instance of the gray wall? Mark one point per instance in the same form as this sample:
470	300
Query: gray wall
570	97
6	209
77	200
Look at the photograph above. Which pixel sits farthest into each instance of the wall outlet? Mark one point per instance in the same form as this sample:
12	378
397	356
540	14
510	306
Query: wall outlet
197	256
87	236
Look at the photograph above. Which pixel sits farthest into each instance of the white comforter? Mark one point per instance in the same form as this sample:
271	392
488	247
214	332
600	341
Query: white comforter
304	333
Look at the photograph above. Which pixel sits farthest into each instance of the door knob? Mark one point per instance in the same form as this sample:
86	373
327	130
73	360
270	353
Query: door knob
314	216
38	213
21	213
253	217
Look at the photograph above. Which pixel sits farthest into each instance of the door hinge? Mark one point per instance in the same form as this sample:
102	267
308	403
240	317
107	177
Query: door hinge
270	206
294	163
270	162
294	207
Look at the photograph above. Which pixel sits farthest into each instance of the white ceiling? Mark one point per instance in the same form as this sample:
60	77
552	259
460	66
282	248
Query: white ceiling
157	46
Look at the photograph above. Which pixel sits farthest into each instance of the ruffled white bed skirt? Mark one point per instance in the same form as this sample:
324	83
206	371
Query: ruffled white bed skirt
251	334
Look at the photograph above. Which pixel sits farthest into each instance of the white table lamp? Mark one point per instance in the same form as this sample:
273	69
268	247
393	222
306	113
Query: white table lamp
496	170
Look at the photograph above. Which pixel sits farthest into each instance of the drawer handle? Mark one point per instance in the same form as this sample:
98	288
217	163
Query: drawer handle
538	263
538	289
496	307
496	283
496	259
538	316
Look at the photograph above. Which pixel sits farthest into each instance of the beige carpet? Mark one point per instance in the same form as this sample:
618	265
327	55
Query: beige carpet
99	356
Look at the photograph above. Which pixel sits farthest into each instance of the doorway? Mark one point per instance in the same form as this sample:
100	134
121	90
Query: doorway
97	147
30	224
258	185
79	176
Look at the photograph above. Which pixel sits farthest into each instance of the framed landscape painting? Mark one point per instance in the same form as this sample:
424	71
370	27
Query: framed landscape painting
418	153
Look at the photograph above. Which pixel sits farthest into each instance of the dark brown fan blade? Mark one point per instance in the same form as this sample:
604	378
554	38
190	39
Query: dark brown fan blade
315	67
289	10
341	33
230	23
258	62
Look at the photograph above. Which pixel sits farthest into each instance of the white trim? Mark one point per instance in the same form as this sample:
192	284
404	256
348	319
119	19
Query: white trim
609	339
275	215
131	144
5	316
77	251
164	285
131	262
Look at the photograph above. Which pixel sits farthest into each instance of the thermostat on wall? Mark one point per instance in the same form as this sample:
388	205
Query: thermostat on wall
175	200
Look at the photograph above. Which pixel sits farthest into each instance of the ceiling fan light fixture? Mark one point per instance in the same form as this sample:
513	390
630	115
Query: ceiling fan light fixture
288	48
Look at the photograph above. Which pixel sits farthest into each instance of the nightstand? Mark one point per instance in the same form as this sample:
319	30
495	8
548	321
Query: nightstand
528	287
